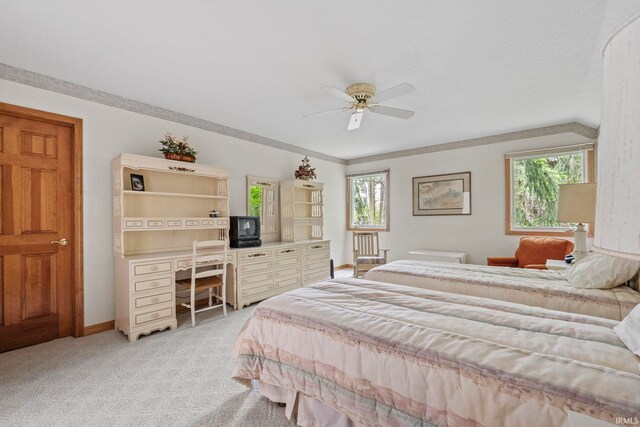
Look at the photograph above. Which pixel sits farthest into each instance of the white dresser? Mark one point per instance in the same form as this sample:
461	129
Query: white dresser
275	268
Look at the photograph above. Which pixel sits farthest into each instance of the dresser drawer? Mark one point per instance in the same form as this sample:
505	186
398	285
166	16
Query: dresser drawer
207	222
256	280
220	222
255	256
286	252
153	299
256	267
286	272
317	247
257	290
315	276
203	260
153	316
287	262
155	223
161	282
313	257
191	222
174	223
285	283
132	223
158	267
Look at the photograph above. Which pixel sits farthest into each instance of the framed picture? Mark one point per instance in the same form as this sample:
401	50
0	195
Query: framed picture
448	194
137	182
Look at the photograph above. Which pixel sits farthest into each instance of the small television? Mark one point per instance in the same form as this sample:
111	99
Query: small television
244	231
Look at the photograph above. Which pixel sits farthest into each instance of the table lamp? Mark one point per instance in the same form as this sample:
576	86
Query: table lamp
577	203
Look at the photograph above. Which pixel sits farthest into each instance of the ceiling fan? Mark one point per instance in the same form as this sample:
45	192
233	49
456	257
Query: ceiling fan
362	97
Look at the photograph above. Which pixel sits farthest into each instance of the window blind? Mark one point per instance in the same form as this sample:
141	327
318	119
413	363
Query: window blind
551	151
367	173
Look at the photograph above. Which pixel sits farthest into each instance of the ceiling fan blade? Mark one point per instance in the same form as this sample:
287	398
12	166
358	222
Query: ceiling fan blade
322	113
394	92
356	119
393	112
334	91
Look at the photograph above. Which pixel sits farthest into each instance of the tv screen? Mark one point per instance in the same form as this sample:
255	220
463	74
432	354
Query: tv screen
244	228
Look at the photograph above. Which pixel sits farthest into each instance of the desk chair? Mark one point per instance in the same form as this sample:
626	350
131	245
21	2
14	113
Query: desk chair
208	272
366	252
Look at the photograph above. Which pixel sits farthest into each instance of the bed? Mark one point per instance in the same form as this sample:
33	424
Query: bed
357	352
540	288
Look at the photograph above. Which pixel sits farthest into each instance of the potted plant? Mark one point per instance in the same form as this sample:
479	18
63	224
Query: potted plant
173	149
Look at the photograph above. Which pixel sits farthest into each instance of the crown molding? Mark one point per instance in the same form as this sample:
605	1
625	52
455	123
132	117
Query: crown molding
19	75
572	127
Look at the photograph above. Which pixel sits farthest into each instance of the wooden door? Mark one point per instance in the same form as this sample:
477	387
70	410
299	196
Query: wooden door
37	290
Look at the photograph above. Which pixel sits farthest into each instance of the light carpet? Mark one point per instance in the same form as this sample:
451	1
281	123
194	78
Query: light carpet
170	378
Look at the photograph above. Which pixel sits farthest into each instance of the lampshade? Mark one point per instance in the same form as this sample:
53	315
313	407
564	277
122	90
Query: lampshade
617	230
577	203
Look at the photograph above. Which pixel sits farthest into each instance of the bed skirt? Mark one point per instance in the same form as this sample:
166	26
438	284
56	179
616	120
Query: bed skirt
304	410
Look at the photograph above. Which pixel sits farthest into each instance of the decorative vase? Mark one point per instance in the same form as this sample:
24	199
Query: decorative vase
180	157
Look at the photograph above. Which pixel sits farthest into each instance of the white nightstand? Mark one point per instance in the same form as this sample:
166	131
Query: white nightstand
556	264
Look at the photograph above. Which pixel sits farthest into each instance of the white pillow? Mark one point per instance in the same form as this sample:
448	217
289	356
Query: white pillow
599	271
629	330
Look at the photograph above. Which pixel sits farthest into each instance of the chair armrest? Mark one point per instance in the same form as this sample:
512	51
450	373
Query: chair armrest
504	261
536	266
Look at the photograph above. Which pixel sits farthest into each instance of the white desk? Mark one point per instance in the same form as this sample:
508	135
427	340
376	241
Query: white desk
145	284
439	256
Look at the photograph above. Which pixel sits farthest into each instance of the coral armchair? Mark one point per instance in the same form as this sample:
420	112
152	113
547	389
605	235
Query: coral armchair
533	252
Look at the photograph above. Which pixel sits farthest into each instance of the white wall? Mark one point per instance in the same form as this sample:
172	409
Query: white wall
481	234
109	131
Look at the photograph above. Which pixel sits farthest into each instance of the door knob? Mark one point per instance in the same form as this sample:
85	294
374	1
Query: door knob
61	242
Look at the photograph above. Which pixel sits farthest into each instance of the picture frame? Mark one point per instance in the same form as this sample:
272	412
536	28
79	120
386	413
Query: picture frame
137	182
448	194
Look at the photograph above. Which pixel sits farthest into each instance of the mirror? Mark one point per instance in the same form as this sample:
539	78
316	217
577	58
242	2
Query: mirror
262	201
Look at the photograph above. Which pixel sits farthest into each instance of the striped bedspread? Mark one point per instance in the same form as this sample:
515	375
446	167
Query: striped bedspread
540	288
394	355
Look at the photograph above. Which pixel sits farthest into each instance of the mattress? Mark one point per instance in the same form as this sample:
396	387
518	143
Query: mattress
540	288
393	355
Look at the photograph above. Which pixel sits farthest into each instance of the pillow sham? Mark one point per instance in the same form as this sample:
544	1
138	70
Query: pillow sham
599	271
629	330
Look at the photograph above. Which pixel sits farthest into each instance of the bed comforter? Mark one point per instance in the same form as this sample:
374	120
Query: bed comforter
394	355
540	288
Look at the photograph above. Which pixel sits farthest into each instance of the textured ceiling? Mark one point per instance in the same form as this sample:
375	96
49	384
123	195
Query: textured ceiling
479	67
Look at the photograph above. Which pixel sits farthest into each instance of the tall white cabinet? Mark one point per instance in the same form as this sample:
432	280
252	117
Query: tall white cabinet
301	209
154	229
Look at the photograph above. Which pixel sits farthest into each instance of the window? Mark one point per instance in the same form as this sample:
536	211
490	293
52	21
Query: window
368	200
533	179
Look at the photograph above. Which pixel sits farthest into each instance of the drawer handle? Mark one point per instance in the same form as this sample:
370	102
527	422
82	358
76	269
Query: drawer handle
155	299
316	247
154	268
287	251
155	284
155	315
257	255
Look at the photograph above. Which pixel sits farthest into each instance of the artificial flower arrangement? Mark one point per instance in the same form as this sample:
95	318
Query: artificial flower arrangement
305	171
173	149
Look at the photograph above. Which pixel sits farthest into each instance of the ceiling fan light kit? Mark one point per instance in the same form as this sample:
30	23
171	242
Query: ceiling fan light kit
362	97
